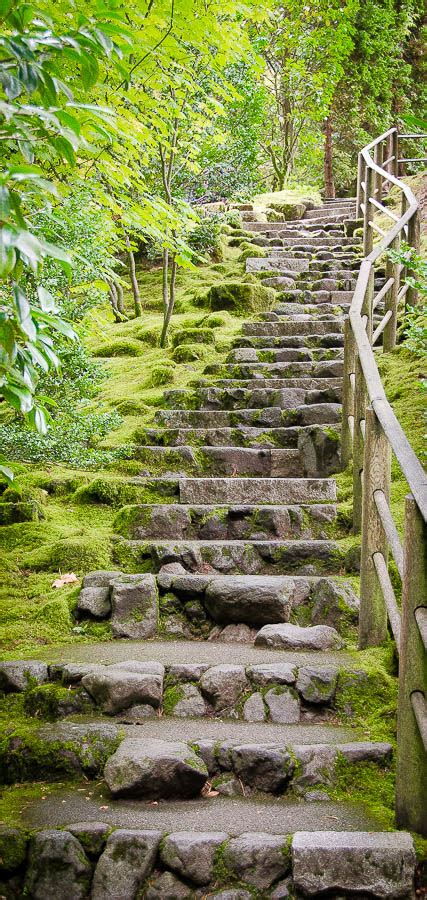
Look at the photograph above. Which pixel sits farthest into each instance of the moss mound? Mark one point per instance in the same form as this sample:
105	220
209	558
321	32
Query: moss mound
251	250
185	353
119	347
71	555
193	336
163	373
242	298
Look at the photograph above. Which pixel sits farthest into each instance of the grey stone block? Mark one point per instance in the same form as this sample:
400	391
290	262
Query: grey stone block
134	607
125	864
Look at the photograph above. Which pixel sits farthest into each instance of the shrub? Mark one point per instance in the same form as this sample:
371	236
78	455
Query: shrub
205	238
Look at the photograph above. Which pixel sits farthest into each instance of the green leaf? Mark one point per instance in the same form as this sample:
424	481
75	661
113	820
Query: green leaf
46	299
4	470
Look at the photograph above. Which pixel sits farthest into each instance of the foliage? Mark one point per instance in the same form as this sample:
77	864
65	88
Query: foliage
415	318
204	238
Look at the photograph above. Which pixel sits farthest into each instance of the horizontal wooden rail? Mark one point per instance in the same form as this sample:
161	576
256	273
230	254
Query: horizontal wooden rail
371	433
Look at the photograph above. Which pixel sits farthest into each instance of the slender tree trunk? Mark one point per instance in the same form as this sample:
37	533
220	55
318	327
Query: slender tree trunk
327	162
165	276
134	283
171	301
120	302
116	292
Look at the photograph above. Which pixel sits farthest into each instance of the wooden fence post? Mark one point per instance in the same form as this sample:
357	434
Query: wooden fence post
413	241
360	396
411	787
348	395
368	234
359	194
395	153
391	301
376	477
378	179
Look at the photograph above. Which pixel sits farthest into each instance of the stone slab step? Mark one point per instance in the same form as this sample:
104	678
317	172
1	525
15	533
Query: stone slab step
322	369
319	298
270	416
294	341
281	329
299	303
252	557
288	354
218	461
197	522
278	227
332	384
233	398
243	436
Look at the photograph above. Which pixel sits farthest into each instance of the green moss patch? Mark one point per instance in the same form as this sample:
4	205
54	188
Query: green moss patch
243	298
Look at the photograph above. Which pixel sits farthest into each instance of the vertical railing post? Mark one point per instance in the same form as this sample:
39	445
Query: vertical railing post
376	477
413	241
411	799
348	394
392	270
359	193
368	234
360	395
378	179
395	153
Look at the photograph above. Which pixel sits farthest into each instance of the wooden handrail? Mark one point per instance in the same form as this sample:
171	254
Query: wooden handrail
371	433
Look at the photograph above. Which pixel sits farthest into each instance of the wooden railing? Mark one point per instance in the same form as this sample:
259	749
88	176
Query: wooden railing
370	434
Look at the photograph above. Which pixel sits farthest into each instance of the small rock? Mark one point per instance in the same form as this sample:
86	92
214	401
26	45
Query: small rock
316	796
16	675
95	601
238	634
191	704
283	706
115	689
366	751
272	673
378	864
258	859
253	709
227	786
185	672
100	579
192	855
236	894
317	765
207	751
91	835
283	890
152	667
167	887
294	637
223	685
317	684
74	672
134	607
125	864
334	603
58	868
167	573
136	715
263	767
254	600
154	770
177	626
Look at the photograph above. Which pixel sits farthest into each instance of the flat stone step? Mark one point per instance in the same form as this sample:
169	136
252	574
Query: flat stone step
197	522
239	436
298	303
270	416
279	227
259	381
234	398
322	369
270	342
232	815
218	461
279	329
288	354
319	298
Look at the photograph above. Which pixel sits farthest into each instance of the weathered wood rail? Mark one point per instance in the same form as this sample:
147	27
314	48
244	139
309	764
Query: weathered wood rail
371	433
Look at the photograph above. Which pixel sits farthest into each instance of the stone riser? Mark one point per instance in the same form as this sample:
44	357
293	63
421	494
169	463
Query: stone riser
164	863
175	522
249	355
330	369
259	382
219	461
297	303
313	341
234	557
285	329
235	398
244	436
276	417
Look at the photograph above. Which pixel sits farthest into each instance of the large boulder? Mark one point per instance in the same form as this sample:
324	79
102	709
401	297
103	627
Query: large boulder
258	859
19	674
223	685
192	854
253	599
117	689
373	864
295	637
125	864
134	607
153	770
58	868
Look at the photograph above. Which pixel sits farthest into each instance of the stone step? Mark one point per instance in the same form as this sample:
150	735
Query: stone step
279	227
322	369
289	342
270	416
245	461
309	304
324	389
315	298
239	436
288	354
284	557
279	329
197	522
234	398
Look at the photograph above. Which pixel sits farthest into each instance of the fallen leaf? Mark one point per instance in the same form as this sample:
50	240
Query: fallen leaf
67	578
103	807
212	794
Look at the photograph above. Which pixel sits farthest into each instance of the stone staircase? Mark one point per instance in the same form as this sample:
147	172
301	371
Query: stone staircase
220	751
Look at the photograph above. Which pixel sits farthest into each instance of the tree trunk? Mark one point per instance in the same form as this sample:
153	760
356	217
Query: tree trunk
165	275
171	302
116	295
327	162
134	283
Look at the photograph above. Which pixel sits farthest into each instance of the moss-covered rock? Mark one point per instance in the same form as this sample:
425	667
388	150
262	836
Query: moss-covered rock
13	513
74	554
185	353
13	847
251	250
193	336
119	347
289	211
53	701
240	297
163	373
